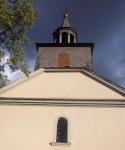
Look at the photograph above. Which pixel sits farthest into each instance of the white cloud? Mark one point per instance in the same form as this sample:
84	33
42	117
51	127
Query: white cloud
12	76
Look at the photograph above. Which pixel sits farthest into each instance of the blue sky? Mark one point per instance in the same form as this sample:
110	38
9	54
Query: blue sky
99	21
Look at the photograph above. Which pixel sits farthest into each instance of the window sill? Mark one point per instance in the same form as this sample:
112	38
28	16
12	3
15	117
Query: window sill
59	144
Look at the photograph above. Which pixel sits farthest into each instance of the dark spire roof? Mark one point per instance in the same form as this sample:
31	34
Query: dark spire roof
65	21
65	24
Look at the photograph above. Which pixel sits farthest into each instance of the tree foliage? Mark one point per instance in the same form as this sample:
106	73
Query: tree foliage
3	80
16	17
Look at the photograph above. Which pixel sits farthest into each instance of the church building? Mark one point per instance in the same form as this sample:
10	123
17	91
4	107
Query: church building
63	104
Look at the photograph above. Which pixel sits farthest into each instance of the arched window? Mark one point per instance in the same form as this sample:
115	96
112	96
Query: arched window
64	60
62	129
64	37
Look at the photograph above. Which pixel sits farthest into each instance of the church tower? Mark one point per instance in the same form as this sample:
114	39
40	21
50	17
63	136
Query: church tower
65	52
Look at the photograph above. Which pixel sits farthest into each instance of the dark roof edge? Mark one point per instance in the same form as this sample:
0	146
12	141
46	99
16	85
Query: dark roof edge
65	45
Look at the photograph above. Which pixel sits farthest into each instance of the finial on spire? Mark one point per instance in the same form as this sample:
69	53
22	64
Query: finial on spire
65	15
66	21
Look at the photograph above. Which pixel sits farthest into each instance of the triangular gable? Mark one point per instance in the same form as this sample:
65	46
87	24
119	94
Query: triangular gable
63	84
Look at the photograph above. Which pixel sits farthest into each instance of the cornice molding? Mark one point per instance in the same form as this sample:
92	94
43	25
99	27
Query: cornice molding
63	102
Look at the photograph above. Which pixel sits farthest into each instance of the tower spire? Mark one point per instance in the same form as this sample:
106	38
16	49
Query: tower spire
65	33
66	21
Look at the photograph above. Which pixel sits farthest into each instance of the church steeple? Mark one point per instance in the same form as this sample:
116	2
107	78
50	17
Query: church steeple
65	52
65	33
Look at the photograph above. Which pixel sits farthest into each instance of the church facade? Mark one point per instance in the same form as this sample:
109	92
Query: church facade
63	104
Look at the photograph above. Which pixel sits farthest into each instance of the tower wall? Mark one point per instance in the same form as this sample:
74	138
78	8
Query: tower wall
48	57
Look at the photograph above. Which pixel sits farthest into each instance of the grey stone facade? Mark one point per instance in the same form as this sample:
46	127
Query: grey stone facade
47	57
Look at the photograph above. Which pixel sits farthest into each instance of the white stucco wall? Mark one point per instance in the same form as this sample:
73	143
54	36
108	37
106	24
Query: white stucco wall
34	127
24	127
73	85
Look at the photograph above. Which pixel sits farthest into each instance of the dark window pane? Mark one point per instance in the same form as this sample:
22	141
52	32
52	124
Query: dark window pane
71	38
64	37
62	130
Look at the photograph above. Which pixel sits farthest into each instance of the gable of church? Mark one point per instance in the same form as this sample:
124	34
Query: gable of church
63	85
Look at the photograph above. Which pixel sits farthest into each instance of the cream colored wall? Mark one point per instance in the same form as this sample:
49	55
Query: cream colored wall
61	85
34	127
